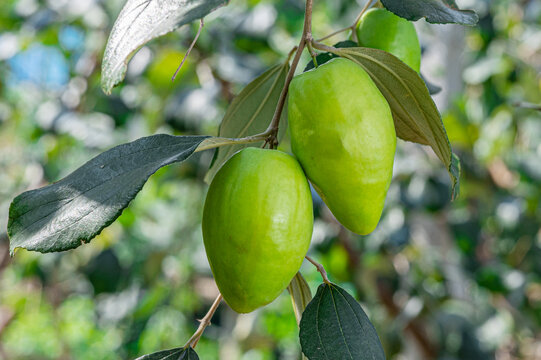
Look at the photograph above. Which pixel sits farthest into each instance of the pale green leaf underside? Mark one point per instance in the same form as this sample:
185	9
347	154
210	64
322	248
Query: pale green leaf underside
300	295
250	113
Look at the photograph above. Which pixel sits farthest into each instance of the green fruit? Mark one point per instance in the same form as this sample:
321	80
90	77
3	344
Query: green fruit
257	226
343	134
381	29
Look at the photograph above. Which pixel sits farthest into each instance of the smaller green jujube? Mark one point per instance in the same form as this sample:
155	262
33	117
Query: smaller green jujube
381	29
343	134
257	226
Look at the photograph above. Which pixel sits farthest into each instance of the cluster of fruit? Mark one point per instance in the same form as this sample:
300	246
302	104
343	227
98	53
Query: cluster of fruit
258	217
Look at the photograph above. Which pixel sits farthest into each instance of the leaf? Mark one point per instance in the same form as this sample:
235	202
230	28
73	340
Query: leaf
415	115
322	58
172	354
334	326
435	11
300	295
141	21
250	113
72	211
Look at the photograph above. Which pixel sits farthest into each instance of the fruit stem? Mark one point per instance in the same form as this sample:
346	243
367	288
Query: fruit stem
353	26
272	130
334	33
323	47
367	6
270	135
320	268
312	51
204	323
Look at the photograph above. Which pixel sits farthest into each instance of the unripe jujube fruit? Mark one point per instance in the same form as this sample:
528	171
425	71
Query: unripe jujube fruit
381	29
257	226
343	134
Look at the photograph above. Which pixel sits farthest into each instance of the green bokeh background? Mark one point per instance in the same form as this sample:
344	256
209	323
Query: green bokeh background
439	280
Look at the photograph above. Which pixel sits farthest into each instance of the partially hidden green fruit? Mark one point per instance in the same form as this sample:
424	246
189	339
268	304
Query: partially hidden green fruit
343	134
381	29
257	226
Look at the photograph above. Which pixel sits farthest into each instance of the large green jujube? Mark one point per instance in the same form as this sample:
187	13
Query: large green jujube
381	29
343	134
257	226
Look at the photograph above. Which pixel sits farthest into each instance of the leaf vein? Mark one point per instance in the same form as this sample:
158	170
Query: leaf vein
340	325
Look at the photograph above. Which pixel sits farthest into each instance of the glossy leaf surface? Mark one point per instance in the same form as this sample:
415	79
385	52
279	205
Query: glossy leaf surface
72	211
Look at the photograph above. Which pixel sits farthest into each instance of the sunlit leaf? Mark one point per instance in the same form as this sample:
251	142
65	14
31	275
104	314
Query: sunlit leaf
72	211
141	21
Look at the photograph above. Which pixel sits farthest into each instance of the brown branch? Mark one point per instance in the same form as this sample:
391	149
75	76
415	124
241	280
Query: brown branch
353	26
204	323
320	268
306	36
201	24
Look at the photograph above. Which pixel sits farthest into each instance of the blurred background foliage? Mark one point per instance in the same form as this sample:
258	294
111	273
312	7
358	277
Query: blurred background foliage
440	280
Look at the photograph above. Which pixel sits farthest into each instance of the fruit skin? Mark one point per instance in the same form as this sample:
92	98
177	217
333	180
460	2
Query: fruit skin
381	29
257	226
343	134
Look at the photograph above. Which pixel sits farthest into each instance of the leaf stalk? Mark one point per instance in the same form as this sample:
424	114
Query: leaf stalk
306	37
353	26
201	24
204	323
320	269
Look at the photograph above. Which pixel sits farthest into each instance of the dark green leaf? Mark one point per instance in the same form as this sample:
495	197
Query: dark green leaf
72	211
335	327
345	44
322	58
172	354
435	11
415	115
141	21
250	113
